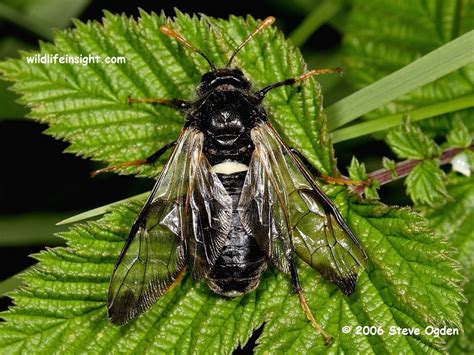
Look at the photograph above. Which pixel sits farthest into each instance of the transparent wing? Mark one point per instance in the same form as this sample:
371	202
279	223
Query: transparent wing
155	252
210	219
283	208
264	215
147	267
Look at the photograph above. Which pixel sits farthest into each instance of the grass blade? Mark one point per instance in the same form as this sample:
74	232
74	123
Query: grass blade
99	210
428	68
316	18
389	121
30	229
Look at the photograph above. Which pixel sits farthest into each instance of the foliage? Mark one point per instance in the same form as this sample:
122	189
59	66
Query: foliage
37	17
94	116
425	182
383	36
454	219
412	280
357	172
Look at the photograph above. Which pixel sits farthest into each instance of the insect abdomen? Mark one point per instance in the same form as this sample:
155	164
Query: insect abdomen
238	269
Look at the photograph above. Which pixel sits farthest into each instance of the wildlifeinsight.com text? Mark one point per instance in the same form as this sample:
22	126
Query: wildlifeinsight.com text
73	59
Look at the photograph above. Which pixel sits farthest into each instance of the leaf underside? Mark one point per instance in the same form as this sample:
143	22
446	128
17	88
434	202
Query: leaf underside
411	280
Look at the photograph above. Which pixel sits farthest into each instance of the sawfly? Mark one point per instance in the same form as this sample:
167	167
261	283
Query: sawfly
231	199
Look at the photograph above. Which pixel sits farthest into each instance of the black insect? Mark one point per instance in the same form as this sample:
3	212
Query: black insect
232	198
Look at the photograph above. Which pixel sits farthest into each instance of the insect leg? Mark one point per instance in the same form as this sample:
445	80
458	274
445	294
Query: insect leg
156	155
150	160
343	180
175	103
292	81
304	305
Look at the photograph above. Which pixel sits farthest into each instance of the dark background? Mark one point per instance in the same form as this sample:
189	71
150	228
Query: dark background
39	183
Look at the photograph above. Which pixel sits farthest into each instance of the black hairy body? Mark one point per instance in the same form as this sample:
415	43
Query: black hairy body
239	266
226	112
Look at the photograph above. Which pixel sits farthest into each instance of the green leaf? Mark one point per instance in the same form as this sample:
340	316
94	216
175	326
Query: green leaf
410	142
39	17
470	158
454	219
384	36
458	136
411	282
9	47
391	166
425	183
358	172
463	343
91	101
10	284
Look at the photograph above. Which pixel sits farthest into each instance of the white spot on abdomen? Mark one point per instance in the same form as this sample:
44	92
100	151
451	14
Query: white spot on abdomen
229	167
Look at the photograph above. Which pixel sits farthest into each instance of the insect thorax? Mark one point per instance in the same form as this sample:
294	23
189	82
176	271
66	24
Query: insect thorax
226	112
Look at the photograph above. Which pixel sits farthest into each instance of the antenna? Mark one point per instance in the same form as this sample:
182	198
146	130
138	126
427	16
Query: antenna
302	77
173	34
262	25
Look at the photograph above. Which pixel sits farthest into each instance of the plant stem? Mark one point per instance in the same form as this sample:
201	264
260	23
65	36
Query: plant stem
402	169
317	17
424	70
390	121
